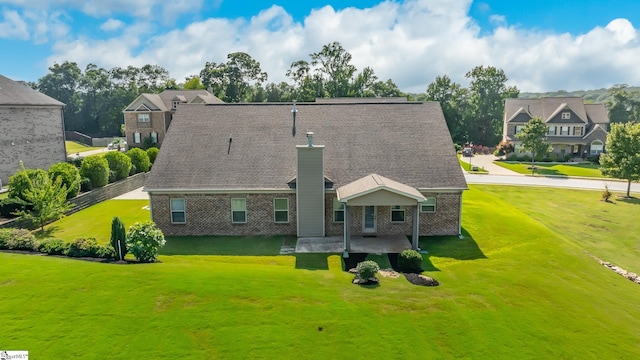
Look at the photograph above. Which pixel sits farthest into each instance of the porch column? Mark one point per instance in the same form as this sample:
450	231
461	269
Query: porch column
347	235
416	226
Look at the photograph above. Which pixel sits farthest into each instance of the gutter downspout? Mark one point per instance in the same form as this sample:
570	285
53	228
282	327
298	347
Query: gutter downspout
460	218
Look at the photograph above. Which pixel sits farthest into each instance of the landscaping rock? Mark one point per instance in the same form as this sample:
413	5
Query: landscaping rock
389	273
371	281
422	280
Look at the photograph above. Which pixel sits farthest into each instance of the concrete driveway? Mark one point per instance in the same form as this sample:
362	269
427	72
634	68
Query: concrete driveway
486	162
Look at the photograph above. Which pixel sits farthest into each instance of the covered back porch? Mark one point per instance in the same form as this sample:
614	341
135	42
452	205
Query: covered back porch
383	244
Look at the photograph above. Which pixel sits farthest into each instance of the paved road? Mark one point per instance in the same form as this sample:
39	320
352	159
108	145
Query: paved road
561	182
486	162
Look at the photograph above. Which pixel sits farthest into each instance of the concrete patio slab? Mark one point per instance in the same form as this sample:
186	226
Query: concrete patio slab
335	244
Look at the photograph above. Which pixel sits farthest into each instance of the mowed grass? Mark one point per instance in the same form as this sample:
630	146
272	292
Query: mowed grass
468	167
513	288
95	221
581	170
74	147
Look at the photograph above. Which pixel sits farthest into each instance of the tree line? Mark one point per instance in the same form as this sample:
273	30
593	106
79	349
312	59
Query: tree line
96	96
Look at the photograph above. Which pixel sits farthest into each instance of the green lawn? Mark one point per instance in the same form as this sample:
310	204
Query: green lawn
76	147
95	221
519	285
583	170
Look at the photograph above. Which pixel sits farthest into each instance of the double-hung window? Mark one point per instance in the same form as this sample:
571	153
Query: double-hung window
178	211
154	137
564	130
144	118
397	213
429	206
239	210
136	138
338	211
551	130
281	210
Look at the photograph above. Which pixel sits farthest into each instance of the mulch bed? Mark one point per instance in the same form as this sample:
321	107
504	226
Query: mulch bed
91	259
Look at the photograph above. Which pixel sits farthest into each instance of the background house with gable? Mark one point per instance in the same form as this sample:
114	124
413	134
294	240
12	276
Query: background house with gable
32	126
311	170
150	115
574	129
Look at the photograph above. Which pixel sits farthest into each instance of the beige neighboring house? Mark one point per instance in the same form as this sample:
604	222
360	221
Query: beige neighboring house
32	129
150	115
344	168
574	129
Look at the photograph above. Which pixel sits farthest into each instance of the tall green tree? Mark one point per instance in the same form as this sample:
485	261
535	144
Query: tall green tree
305	86
534	140
487	93
623	105
333	62
193	83
62	83
48	199
621	158
453	100
232	81
119	238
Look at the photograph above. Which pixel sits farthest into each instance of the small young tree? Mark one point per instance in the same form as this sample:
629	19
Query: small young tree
118	238
153	153
139	159
118	163
20	182
48	200
143	241
534	140
95	168
621	158
70	176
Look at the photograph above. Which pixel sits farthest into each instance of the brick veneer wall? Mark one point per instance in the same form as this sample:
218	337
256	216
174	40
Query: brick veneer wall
210	214
156	123
37	135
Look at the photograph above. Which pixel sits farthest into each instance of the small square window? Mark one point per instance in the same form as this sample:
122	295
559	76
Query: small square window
397	213
566	115
174	105
429	206
281	210
144	118
338	211
178	211
238	210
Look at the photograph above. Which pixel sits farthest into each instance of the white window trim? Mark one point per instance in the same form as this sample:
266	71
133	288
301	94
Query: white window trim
147	116
137	138
400	209
172	211
555	130
596	152
245	211
154	137
562	132
422	206
566	115
341	209
275	210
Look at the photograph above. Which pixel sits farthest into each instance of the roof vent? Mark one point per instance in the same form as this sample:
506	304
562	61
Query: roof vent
310	139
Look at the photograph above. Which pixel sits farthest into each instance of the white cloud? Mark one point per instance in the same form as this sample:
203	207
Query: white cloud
111	25
410	42
12	26
104	8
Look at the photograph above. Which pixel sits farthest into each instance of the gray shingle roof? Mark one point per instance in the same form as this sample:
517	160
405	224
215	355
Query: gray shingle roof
163	101
17	93
546	107
408	142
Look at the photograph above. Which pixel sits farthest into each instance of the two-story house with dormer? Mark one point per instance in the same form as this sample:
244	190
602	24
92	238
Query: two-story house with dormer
574	129
150	115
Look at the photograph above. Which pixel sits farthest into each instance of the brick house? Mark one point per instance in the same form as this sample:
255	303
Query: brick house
574	129
311	170
150	115
32	129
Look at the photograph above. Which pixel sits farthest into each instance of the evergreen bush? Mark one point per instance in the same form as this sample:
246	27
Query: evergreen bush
119	163
70	176
53	246
410	261
367	269
95	168
153	153
140	159
118	238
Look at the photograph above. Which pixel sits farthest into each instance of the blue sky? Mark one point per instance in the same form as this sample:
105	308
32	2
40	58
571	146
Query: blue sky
542	45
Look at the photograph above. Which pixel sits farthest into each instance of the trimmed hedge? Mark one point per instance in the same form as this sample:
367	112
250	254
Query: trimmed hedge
410	261
139	159
95	168
53	246
70	176
118	163
89	247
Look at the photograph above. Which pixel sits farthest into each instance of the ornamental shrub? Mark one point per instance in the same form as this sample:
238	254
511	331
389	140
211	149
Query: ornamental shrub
410	261
95	168
112	176
20	182
367	269
69	175
118	163
118	238
133	170
140	159
9	206
153	153
143	241
17	239
53	246
83	247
